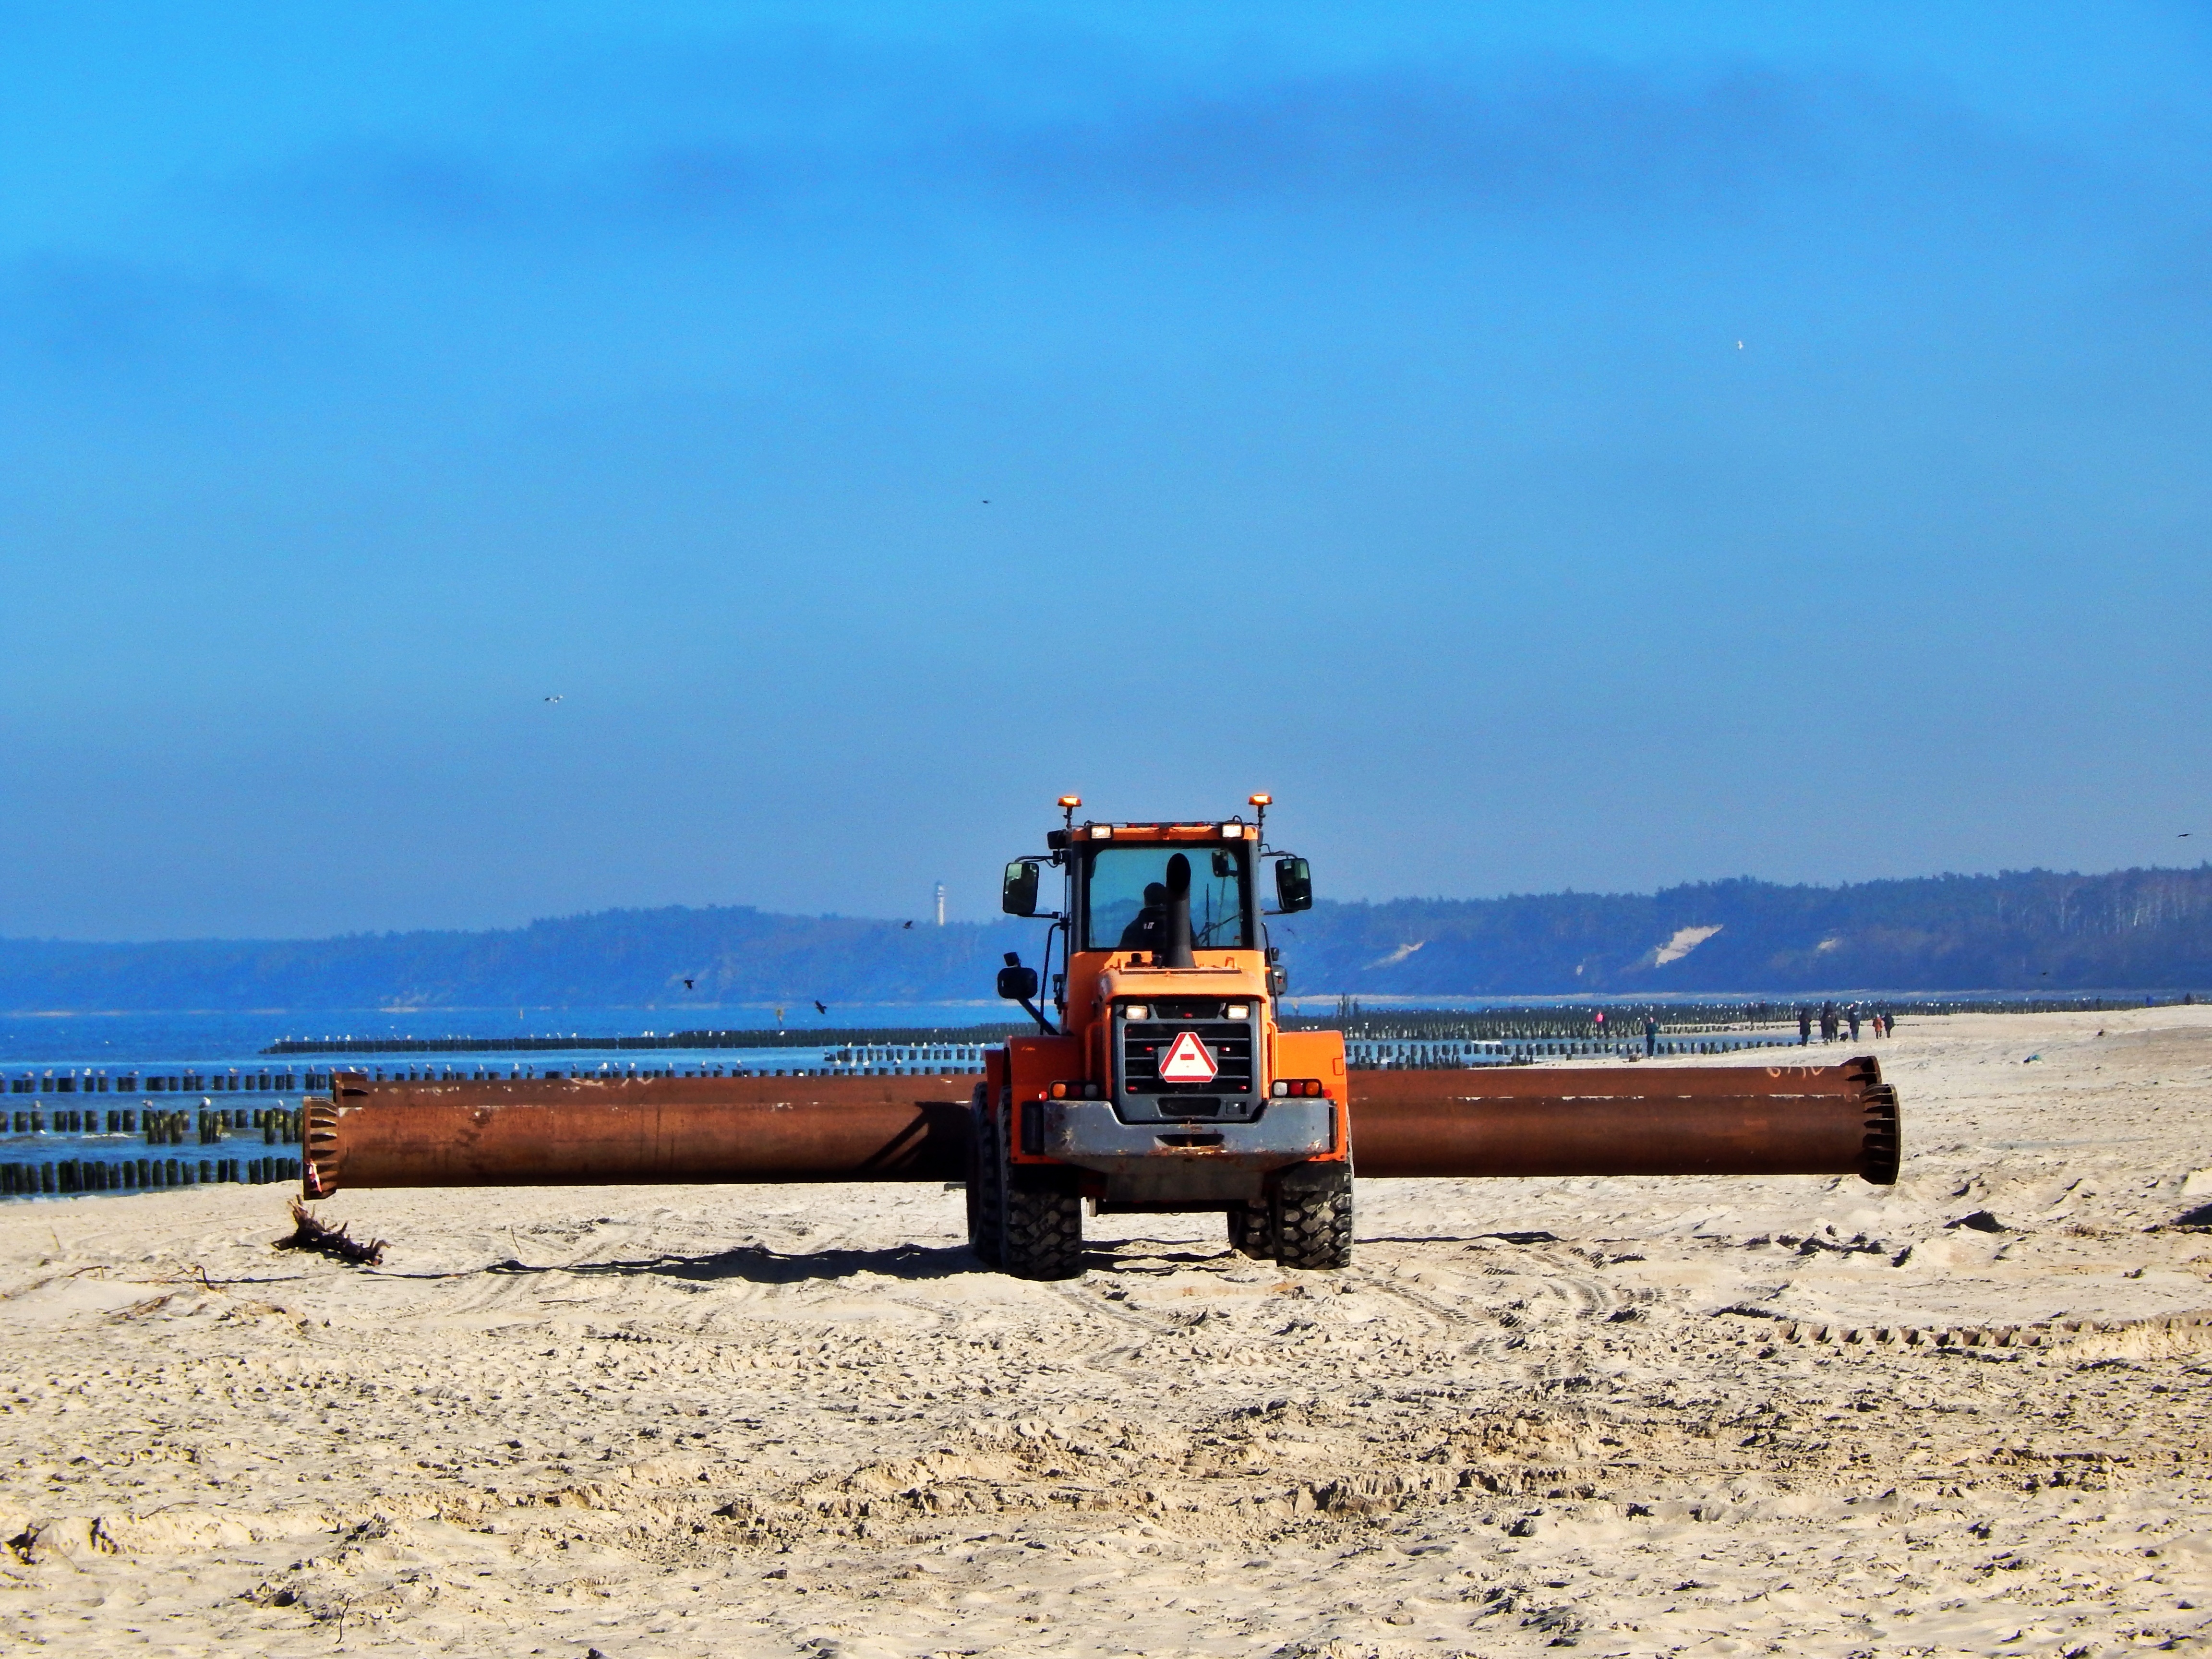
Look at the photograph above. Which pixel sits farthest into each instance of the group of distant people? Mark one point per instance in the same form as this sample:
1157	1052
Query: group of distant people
1833	1019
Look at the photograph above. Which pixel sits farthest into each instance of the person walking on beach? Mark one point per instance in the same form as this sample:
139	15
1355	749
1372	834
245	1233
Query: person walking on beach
1651	1034
1804	1025
1827	1022
1855	1022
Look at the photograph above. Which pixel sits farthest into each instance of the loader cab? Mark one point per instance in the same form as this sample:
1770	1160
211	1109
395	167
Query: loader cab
1147	898
1165	897
1122	890
1159	925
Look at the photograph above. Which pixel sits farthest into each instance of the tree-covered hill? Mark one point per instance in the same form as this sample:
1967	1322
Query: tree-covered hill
2030	932
2033	931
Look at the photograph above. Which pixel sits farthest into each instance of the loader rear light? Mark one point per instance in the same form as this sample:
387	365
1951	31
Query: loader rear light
1239	1011
1304	1088
1075	1092
1102	832
1135	1011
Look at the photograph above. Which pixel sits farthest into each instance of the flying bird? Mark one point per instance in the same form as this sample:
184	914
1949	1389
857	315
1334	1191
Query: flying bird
554	699
906	924
687	984
821	1007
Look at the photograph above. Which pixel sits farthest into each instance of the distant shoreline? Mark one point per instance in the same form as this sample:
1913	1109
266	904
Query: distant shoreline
2024	934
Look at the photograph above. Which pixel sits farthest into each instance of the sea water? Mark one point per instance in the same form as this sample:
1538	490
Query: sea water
149	1041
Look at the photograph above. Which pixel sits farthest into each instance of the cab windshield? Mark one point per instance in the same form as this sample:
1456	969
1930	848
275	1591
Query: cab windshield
1125	897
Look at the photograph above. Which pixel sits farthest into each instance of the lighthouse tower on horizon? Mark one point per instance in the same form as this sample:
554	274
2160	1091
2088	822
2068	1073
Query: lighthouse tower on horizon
941	904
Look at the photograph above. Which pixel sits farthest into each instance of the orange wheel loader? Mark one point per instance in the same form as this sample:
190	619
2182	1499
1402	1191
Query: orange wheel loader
1159	1080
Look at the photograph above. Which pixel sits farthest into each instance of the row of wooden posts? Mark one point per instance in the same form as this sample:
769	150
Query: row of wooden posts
69	1176
279	1125
1421	1053
189	1083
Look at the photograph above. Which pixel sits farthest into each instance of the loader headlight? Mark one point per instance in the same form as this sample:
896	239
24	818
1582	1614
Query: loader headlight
1135	1011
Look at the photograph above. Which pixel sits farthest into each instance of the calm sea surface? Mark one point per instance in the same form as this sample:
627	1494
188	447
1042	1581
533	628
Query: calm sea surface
106	1041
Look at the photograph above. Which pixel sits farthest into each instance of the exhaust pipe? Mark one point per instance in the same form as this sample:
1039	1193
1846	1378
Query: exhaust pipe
1177	955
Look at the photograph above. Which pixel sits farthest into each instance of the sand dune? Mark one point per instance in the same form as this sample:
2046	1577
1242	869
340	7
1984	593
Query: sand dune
1633	1417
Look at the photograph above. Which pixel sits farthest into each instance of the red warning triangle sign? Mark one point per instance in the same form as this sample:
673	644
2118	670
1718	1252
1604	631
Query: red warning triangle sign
1189	1060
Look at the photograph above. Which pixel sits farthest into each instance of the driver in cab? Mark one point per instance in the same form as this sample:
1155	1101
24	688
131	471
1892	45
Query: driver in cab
1149	930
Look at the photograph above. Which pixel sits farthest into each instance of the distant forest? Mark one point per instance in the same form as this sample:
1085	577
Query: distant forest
2033	932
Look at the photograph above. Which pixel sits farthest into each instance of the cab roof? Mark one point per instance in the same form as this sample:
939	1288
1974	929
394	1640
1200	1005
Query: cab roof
1221	829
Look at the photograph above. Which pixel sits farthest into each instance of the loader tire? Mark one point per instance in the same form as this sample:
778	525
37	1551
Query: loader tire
1044	1227
1251	1231
1313	1217
987	1191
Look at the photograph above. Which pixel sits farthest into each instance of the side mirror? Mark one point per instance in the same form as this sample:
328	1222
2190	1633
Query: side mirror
1017	984
1018	896
1293	885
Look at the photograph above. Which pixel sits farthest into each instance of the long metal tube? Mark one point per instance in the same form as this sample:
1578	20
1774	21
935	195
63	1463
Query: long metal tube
1628	1120
1633	1079
1537	1120
558	1132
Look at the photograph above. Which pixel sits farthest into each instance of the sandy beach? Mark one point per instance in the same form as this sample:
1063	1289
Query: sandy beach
1966	1414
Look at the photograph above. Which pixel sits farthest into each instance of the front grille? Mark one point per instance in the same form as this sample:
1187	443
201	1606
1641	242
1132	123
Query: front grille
1144	1044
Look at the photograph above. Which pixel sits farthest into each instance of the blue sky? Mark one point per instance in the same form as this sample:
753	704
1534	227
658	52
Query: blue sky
1546	446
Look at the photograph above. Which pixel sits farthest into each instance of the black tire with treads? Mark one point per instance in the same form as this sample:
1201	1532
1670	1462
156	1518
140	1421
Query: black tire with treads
1043	1225
1251	1232
1044	1235
987	1210
1313	1216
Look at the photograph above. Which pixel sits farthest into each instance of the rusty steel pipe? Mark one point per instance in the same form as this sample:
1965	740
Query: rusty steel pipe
585	1131
1532	1120
1628	1120
1632	1080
